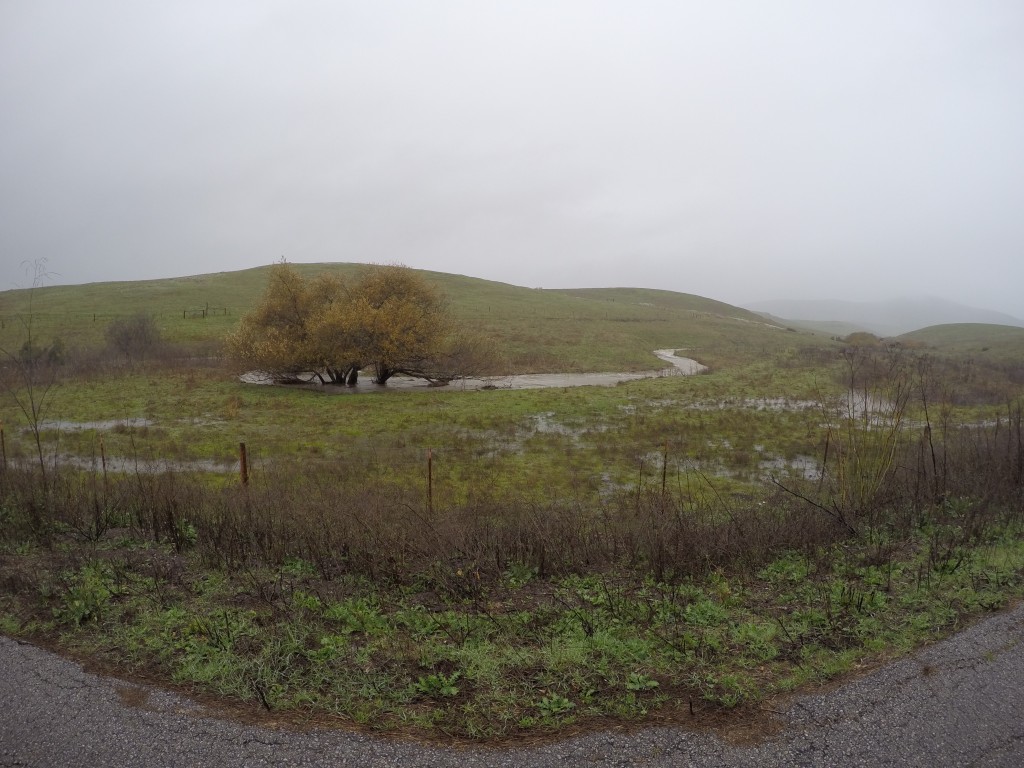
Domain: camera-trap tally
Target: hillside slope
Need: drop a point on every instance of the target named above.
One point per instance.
(978, 340)
(540, 330)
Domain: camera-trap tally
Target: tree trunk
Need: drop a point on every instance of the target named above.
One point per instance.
(383, 373)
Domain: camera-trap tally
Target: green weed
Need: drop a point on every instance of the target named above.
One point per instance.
(437, 685)
(553, 705)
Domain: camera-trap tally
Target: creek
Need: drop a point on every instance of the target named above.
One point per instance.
(678, 366)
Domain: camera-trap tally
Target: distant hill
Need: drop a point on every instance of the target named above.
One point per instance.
(607, 329)
(883, 318)
(653, 297)
(829, 328)
(980, 341)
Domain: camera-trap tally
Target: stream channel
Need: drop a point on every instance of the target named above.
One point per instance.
(678, 366)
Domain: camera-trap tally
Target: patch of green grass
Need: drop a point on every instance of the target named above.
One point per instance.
(979, 340)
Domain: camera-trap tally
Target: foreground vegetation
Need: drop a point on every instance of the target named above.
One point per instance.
(471, 644)
(487, 564)
(491, 617)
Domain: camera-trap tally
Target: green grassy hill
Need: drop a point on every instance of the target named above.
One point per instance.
(540, 330)
(1003, 343)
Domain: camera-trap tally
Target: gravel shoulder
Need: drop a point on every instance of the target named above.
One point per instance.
(956, 703)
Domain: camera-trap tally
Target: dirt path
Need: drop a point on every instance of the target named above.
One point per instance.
(958, 703)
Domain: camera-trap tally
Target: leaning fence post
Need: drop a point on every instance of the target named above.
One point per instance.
(243, 464)
(3, 447)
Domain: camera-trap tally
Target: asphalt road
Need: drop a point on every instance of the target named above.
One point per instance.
(957, 703)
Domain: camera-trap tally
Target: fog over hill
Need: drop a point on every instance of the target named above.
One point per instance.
(892, 317)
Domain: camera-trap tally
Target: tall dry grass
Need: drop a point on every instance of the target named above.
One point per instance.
(387, 533)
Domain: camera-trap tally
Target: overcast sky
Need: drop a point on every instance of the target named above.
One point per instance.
(741, 150)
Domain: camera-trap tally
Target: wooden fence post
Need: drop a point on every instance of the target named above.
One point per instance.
(3, 446)
(664, 471)
(430, 482)
(243, 464)
(639, 483)
(103, 463)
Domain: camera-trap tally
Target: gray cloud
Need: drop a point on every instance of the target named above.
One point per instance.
(740, 150)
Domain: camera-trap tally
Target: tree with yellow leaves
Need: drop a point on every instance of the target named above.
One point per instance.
(398, 321)
(279, 336)
(389, 318)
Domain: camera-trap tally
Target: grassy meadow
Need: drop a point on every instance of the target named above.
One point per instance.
(538, 330)
(979, 341)
(487, 564)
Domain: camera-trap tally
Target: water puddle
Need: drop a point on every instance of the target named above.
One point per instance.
(805, 467)
(775, 404)
(129, 465)
(80, 426)
(545, 424)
